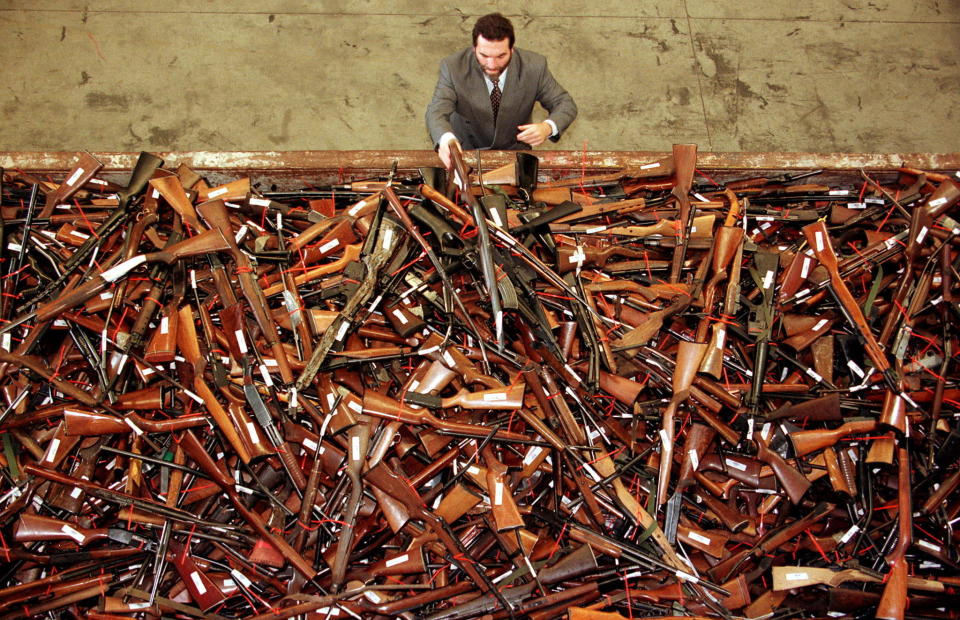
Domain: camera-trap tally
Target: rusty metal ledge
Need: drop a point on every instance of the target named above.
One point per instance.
(295, 162)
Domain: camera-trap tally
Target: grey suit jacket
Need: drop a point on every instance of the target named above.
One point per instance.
(461, 103)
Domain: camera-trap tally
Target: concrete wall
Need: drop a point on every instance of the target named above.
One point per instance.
(729, 75)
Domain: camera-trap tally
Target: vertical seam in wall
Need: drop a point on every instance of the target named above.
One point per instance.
(696, 68)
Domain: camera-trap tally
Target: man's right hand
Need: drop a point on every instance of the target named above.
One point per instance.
(447, 142)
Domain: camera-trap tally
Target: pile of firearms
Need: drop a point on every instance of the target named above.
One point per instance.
(439, 394)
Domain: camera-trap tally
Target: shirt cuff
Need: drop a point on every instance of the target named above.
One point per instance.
(446, 138)
(552, 125)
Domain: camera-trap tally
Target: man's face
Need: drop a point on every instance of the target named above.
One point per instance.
(493, 56)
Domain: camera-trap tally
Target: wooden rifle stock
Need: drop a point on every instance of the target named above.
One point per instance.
(382, 406)
(215, 213)
(805, 442)
(793, 481)
(685, 161)
(893, 603)
(689, 355)
(195, 450)
(82, 172)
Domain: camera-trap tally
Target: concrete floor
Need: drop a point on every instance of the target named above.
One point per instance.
(729, 75)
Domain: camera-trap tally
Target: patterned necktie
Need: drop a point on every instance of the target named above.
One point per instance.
(495, 99)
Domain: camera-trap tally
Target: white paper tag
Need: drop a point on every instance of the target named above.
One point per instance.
(694, 458)
(818, 237)
(198, 582)
(220, 191)
(494, 396)
(115, 273)
(241, 341)
(592, 472)
(734, 464)
(687, 576)
(355, 406)
(241, 578)
(355, 448)
(721, 337)
(849, 534)
(136, 429)
(922, 234)
(938, 201)
(75, 176)
(655, 164)
(595, 229)
(532, 455)
(813, 374)
(796, 576)
(266, 375)
(72, 533)
(926, 544)
(387, 239)
(252, 431)
(497, 493)
(703, 540)
(52, 450)
(820, 324)
(768, 280)
(801, 294)
(310, 444)
(855, 369)
(839, 192)
(398, 314)
(80, 235)
(76, 492)
(448, 359)
(329, 245)
(259, 202)
(400, 559)
(665, 438)
(343, 330)
(805, 267)
(579, 256)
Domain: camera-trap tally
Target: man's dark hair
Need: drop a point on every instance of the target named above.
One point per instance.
(493, 27)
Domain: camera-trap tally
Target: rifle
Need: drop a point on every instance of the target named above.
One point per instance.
(818, 238)
(770, 541)
(195, 450)
(377, 250)
(215, 214)
(82, 172)
(805, 442)
(484, 244)
(685, 161)
(790, 577)
(201, 244)
(146, 164)
(893, 603)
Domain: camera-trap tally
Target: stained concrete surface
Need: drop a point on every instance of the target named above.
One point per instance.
(729, 75)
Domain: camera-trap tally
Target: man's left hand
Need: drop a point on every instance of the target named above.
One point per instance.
(534, 133)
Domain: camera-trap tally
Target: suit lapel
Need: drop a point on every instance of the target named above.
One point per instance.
(506, 129)
(481, 100)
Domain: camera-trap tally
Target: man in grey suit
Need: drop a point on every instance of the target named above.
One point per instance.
(485, 95)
